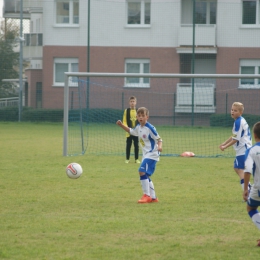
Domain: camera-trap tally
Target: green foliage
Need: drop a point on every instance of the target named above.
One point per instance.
(9, 58)
(43, 115)
(97, 115)
(46, 215)
(9, 114)
(225, 120)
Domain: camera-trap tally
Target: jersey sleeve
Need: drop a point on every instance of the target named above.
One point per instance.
(134, 131)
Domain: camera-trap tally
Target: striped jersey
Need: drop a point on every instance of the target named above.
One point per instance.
(148, 138)
(252, 165)
(241, 133)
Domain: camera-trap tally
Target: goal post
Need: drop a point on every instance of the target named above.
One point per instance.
(191, 111)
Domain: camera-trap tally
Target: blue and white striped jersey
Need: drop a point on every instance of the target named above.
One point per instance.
(241, 133)
(252, 165)
(148, 138)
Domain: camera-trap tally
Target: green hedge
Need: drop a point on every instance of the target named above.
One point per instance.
(56, 115)
(9, 114)
(97, 115)
(225, 120)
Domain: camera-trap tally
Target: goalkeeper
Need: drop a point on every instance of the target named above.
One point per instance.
(129, 119)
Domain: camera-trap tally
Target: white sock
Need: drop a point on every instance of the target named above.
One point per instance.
(145, 186)
(152, 191)
(256, 219)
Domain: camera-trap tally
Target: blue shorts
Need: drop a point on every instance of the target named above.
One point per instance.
(253, 203)
(148, 166)
(239, 162)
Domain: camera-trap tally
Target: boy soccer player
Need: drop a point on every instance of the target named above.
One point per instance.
(129, 119)
(240, 139)
(151, 144)
(252, 166)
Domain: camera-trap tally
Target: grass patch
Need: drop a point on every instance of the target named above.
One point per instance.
(46, 215)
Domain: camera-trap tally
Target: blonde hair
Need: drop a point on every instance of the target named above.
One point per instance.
(239, 105)
(143, 110)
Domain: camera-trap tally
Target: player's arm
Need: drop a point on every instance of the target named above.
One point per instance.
(124, 118)
(159, 143)
(247, 172)
(247, 176)
(229, 142)
(126, 128)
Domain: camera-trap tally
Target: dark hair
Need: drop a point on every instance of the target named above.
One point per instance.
(132, 97)
(143, 110)
(256, 129)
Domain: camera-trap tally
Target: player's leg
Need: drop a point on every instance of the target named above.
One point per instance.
(128, 147)
(152, 191)
(146, 169)
(239, 166)
(136, 145)
(253, 213)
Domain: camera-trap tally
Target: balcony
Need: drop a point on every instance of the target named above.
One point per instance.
(32, 45)
(205, 35)
(203, 99)
(11, 8)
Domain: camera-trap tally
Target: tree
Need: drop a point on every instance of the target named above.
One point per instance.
(9, 58)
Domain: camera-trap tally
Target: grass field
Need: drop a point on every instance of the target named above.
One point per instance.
(46, 215)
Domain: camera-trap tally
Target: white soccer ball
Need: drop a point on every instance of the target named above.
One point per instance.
(74, 170)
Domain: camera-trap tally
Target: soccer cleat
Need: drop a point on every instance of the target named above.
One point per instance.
(126, 161)
(258, 242)
(155, 200)
(145, 199)
(137, 161)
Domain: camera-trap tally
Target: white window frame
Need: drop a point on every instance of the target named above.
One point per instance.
(141, 83)
(250, 63)
(142, 22)
(257, 23)
(208, 3)
(70, 23)
(69, 61)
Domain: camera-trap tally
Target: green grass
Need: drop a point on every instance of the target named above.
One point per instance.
(46, 215)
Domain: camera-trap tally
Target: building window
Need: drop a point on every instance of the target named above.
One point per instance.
(67, 12)
(138, 12)
(205, 12)
(62, 65)
(137, 66)
(250, 67)
(251, 12)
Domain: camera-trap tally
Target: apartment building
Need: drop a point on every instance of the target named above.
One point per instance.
(139, 36)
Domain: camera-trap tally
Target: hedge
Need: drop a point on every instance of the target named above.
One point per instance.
(96, 115)
(225, 120)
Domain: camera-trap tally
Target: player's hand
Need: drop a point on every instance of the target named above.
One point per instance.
(119, 122)
(160, 149)
(222, 147)
(245, 195)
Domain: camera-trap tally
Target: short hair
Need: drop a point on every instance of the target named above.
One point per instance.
(132, 97)
(256, 129)
(143, 110)
(239, 105)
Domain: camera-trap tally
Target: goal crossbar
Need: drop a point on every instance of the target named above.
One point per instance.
(132, 75)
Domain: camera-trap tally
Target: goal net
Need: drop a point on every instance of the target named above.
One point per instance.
(191, 112)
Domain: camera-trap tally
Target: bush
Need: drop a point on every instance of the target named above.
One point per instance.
(225, 120)
(97, 115)
(9, 114)
(43, 115)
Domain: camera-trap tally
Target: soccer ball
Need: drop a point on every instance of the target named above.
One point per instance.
(74, 170)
